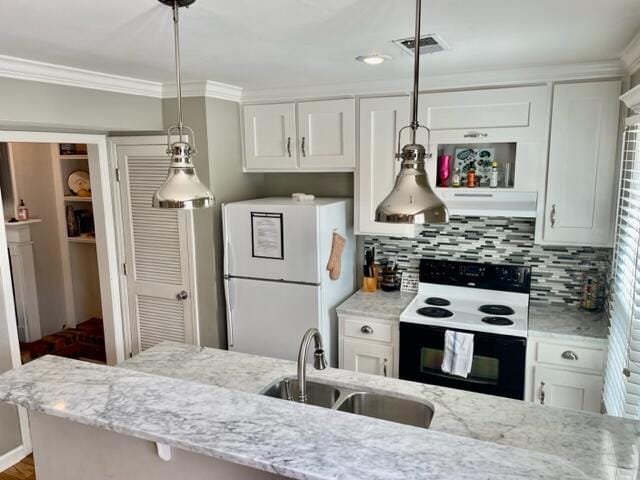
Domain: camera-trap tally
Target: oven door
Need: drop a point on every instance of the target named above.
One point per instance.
(498, 366)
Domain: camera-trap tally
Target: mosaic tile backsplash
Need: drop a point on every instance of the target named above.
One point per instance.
(557, 272)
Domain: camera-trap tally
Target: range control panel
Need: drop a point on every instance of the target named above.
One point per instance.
(506, 278)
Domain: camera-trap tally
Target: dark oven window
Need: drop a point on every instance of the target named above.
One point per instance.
(483, 369)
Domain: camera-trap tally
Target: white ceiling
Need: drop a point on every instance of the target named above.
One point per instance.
(279, 43)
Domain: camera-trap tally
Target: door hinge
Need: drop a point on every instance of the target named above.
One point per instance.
(117, 174)
(124, 269)
(130, 354)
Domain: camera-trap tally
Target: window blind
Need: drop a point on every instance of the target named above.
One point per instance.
(622, 376)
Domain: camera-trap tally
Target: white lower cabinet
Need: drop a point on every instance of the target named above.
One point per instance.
(369, 345)
(368, 357)
(568, 389)
(566, 374)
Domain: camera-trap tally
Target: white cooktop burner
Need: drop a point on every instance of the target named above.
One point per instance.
(465, 303)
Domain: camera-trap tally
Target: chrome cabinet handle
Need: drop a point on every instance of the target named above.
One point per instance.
(475, 135)
(182, 295)
(569, 355)
(304, 154)
(289, 146)
(552, 215)
(542, 394)
(366, 329)
(384, 367)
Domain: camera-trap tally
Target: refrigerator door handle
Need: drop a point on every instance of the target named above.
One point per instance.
(227, 294)
(227, 246)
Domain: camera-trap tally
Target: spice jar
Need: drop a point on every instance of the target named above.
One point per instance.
(471, 178)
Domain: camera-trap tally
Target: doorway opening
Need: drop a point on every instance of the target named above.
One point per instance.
(50, 229)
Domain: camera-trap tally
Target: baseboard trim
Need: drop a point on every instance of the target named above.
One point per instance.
(12, 457)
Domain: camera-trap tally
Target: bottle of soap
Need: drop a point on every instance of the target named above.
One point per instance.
(23, 212)
(493, 175)
(455, 180)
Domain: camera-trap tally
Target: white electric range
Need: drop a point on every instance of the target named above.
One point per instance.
(489, 301)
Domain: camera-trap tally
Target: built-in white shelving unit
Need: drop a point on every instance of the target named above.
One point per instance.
(80, 265)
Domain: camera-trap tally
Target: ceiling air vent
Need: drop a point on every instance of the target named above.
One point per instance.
(430, 43)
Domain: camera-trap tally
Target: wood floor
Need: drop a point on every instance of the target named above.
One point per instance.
(21, 471)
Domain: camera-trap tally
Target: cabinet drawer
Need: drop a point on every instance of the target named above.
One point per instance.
(570, 356)
(368, 330)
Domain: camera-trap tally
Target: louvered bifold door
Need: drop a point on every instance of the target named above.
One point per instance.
(157, 251)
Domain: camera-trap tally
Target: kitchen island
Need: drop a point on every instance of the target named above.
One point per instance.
(202, 404)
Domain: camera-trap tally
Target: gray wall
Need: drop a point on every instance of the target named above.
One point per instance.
(36, 105)
(229, 184)
(216, 125)
(33, 170)
(318, 184)
(635, 79)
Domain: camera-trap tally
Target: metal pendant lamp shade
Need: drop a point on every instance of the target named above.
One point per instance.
(182, 189)
(412, 201)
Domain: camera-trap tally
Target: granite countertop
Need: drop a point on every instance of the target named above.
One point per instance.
(601, 446)
(562, 321)
(285, 438)
(545, 320)
(378, 304)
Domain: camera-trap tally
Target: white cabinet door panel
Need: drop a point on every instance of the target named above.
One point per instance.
(269, 136)
(368, 357)
(327, 134)
(582, 164)
(380, 121)
(567, 389)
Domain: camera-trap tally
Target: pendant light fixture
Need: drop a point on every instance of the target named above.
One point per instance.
(182, 189)
(412, 200)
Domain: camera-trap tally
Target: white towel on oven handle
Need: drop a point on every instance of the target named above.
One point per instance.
(458, 353)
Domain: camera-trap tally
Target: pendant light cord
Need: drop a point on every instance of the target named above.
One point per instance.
(176, 36)
(416, 74)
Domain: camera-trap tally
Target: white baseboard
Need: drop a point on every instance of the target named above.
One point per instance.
(12, 457)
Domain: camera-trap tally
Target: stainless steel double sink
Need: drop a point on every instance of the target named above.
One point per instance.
(385, 407)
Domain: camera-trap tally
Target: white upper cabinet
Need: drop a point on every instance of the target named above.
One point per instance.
(580, 197)
(270, 137)
(380, 121)
(327, 131)
(308, 136)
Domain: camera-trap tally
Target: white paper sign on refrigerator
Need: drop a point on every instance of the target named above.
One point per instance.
(267, 235)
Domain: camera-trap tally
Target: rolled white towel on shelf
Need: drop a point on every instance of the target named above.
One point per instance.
(458, 353)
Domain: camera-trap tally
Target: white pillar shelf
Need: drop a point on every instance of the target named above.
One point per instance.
(23, 274)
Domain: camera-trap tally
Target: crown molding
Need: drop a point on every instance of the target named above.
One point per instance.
(492, 78)
(631, 55)
(632, 99)
(205, 88)
(23, 69)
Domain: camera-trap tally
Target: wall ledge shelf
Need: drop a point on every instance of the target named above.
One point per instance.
(74, 157)
(81, 239)
(75, 198)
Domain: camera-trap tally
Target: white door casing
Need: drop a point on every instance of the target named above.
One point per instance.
(157, 247)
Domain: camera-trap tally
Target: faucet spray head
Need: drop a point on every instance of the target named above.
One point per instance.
(319, 359)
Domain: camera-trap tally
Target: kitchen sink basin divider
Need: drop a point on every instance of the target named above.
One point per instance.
(356, 401)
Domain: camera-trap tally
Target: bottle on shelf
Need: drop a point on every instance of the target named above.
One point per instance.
(471, 178)
(455, 180)
(23, 212)
(493, 175)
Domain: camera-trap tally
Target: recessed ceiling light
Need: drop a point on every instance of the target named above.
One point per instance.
(373, 59)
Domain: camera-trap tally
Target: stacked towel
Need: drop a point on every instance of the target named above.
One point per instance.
(458, 353)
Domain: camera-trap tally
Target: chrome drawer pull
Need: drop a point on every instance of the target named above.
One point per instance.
(366, 329)
(569, 355)
(475, 135)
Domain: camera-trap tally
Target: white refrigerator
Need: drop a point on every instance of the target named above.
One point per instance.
(276, 284)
